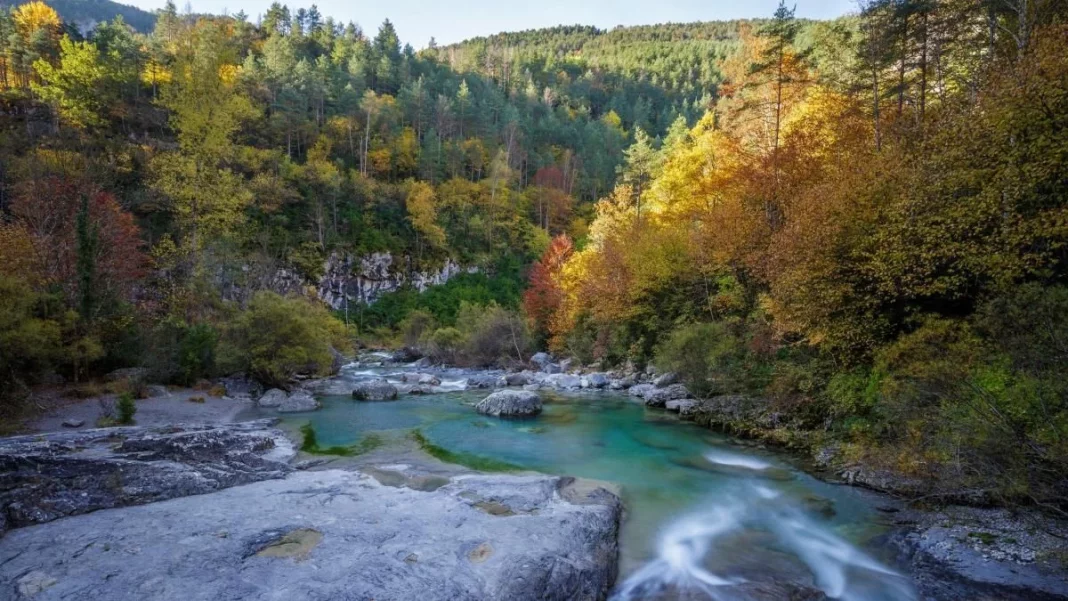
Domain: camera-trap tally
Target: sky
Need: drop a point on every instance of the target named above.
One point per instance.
(456, 20)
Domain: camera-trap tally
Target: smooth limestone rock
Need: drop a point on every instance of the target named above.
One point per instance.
(510, 403)
(50, 476)
(298, 401)
(332, 535)
(375, 390)
(272, 399)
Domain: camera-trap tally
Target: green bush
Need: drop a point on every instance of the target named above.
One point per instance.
(277, 337)
(710, 358)
(493, 335)
(30, 340)
(416, 326)
(126, 408)
(181, 353)
(445, 345)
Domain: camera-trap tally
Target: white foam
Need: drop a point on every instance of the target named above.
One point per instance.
(733, 460)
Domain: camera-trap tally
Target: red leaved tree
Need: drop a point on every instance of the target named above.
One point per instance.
(544, 295)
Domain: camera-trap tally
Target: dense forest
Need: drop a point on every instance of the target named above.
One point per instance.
(862, 223)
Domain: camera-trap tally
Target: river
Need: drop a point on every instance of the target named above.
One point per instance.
(705, 514)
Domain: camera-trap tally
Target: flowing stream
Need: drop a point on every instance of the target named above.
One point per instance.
(706, 517)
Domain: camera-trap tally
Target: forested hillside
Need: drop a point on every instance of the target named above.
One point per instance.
(876, 254)
(861, 224)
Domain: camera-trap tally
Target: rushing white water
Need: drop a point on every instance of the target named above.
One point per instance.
(687, 545)
(733, 460)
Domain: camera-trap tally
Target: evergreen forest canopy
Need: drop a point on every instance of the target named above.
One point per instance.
(862, 223)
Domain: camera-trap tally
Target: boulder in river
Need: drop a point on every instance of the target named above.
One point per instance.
(480, 381)
(273, 398)
(511, 403)
(299, 400)
(377, 389)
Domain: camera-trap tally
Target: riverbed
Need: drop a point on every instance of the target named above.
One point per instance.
(704, 514)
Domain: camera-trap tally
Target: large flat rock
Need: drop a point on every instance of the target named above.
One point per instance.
(331, 535)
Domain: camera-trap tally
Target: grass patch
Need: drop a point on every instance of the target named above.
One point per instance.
(311, 444)
(474, 462)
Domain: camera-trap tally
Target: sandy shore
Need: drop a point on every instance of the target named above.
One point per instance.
(172, 408)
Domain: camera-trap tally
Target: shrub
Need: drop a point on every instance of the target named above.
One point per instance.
(493, 335)
(445, 345)
(416, 327)
(126, 407)
(277, 337)
(709, 357)
(217, 391)
(181, 353)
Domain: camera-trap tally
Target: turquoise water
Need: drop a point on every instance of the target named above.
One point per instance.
(702, 512)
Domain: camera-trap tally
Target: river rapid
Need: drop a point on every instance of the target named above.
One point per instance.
(707, 517)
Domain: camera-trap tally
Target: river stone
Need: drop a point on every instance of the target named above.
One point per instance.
(680, 405)
(658, 397)
(510, 403)
(667, 379)
(331, 535)
(329, 387)
(597, 380)
(640, 390)
(273, 398)
(425, 379)
(564, 381)
(375, 390)
(240, 386)
(540, 359)
(70, 422)
(520, 379)
(299, 400)
(49, 476)
(482, 381)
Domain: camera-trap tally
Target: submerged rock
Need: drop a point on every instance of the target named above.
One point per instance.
(46, 477)
(510, 403)
(375, 390)
(332, 535)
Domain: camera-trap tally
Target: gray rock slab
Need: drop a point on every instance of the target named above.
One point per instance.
(47, 477)
(329, 535)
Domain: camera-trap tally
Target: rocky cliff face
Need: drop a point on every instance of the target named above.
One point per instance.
(364, 279)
